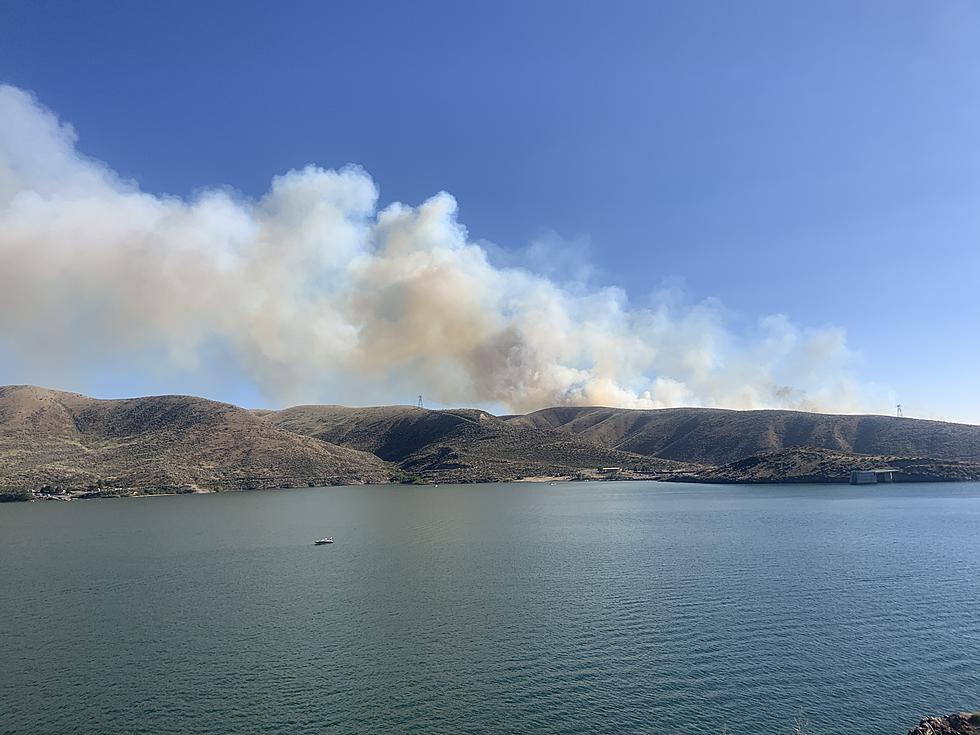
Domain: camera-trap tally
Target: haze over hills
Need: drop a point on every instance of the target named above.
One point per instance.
(53, 439)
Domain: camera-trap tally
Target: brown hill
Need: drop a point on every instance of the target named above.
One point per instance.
(718, 436)
(805, 464)
(461, 444)
(66, 440)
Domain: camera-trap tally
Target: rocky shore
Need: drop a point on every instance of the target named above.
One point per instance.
(958, 723)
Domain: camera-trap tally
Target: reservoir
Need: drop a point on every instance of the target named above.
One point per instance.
(602, 607)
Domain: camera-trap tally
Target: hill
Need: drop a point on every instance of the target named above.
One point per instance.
(53, 439)
(162, 443)
(463, 445)
(717, 436)
(806, 464)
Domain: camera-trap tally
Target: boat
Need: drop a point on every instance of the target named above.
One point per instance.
(321, 542)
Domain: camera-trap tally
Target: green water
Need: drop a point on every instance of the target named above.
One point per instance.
(568, 608)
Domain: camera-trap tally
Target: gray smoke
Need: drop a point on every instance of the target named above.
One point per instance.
(317, 294)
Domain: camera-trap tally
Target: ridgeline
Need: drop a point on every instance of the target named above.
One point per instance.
(59, 444)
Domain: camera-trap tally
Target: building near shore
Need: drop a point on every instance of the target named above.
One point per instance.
(871, 477)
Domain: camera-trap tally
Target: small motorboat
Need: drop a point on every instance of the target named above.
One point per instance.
(321, 542)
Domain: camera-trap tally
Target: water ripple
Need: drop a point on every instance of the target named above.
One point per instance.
(599, 608)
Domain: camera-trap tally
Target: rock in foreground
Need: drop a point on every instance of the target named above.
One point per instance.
(959, 723)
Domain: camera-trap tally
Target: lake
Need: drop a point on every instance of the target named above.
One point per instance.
(516, 608)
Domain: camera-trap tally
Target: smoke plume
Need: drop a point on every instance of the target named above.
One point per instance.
(317, 294)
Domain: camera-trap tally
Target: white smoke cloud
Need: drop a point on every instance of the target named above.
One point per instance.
(319, 295)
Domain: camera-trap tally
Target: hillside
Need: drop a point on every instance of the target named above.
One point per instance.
(53, 439)
(705, 445)
(717, 436)
(804, 464)
(462, 444)
(162, 443)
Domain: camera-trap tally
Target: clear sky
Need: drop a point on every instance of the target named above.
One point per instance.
(818, 160)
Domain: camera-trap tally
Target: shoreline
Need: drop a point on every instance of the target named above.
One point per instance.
(71, 496)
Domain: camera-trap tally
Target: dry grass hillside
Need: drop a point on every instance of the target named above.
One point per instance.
(717, 437)
(460, 444)
(66, 440)
(806, 464)
(53, 439)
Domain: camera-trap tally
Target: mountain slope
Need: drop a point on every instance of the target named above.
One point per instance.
(717, 436)
(806, 464)
(460, 444)
(50, 437)
(177, 443)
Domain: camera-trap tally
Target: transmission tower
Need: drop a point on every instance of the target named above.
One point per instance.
(899, 411)
(420, 402)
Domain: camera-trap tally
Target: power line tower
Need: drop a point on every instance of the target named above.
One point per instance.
(899, 411)
(420, 402)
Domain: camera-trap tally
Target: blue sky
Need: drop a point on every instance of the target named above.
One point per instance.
(816, 160)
